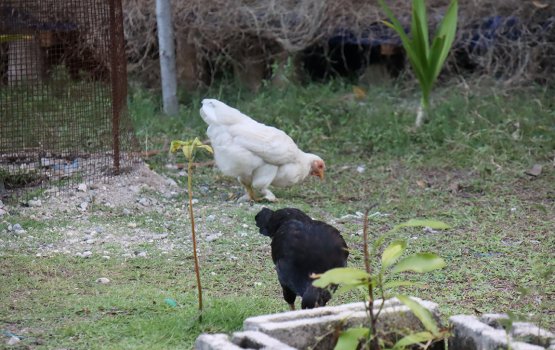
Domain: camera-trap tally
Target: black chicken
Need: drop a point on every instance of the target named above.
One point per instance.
(300, 247)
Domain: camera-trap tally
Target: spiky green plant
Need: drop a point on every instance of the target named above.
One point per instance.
(189, 148)
(426, 60)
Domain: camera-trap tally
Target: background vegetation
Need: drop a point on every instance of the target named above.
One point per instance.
(466, 167)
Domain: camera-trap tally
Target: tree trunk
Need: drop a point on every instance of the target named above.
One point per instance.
(167, 56)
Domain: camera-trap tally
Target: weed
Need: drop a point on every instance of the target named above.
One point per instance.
(189, 149)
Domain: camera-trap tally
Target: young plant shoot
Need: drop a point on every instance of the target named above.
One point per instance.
(426, 60)
(189, 148)
(380, 284)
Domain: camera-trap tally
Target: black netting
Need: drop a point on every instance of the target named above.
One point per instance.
(63, 85)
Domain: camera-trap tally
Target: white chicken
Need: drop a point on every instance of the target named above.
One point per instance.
(256, 154)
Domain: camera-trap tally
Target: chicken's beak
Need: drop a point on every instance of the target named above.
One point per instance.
(319, 173)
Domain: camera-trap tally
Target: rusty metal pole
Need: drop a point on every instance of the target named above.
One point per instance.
(118, 75)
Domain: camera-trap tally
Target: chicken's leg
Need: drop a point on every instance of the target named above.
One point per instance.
(289, 296)
(250, 195)
(268, 195)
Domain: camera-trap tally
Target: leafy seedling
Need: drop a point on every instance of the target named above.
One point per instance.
(189, 148)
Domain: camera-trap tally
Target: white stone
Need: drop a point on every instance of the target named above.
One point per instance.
(13, 341)
(34, 203)
(83, 206)
(82, 187)
(103, 280)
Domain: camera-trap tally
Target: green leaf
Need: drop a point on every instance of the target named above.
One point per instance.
(393, 252)
(189, 147)
(423, 314)
(447, 30)
(341, 275)
(419, 30)
(421, 262)
(433, 224)
(349, 338)
(414, 338)
(349, 287)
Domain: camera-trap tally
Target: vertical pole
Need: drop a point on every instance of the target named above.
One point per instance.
(118, 75)
(167, 56)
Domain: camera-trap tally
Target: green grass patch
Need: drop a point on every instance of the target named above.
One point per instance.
(465, 167)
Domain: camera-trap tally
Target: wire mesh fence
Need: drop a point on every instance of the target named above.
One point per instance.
(63, 86)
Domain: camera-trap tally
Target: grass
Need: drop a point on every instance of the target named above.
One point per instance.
(465, 167)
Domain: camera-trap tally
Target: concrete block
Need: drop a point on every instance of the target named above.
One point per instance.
(530, 333)
(258, 340)
(215, 342)
(521, 331)
(469, 333)
(315, 328)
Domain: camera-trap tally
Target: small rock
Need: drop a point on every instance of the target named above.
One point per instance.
(213, 236)
(85, 254)
(194, 201)
(141, 254)
(98, 229)
(83, 206)
(126, 211)
(171, 182)
(211, 217)
(535, 171)
(13, 341)
(2, 212)
(106, 257)
(160, 236)
(35, 203)
(132, 225)
(361, 169)
(145, 202)
(90, 241)
(103, 280)
(1, 204)
(82, 187)
(16, 228)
